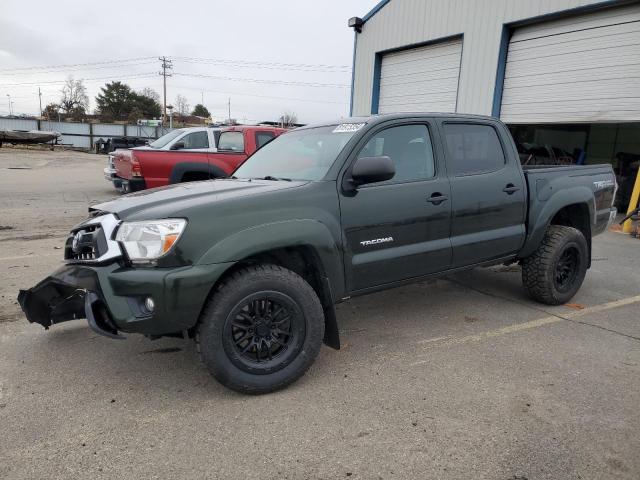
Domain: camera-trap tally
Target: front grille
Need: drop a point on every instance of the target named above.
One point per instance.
(92, 240)
(84, 244)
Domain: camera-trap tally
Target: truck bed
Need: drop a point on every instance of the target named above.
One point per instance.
(592, 185)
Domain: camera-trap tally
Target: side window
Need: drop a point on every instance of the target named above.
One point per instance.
(262, 138)
(231, 141)
(195, 140)
(472, 149)
(409, 146)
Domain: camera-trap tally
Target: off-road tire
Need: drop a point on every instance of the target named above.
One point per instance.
(539, 270)
(213, 341)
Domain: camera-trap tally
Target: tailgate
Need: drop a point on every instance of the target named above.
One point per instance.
(122, 163)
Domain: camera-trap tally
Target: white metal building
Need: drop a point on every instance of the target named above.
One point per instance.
(564, 74)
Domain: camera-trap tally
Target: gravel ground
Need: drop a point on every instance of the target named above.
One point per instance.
(457, 378)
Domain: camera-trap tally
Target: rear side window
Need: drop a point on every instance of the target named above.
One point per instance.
(263, 138)
(472, 149)
(231, 141)
(195, 140)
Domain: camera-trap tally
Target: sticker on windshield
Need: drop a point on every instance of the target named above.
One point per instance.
(348, 127)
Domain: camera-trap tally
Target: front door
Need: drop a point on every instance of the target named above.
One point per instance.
(398, 229)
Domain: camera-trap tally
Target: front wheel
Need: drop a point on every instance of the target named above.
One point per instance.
(261, 330)
(555, 271)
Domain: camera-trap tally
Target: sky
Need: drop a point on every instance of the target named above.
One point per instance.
(267, 57)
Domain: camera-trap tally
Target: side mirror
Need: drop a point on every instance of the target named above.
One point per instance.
(177, 146)
(372, 170)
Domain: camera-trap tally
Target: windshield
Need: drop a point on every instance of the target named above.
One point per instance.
(297, 155)
(163, 140)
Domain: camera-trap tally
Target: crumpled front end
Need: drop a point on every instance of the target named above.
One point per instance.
(70, 293)
(98, 282)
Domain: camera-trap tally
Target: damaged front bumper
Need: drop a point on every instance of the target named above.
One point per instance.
(68, 294)
(112, 297)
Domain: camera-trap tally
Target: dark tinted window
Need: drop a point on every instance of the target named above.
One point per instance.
(409, 146)
(231, 141)
(472, 149)
(195, 140)
(263, 137)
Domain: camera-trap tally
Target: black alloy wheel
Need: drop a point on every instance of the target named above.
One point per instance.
(264, 332)
(567, 268)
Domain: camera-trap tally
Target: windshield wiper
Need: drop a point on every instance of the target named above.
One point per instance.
(271, 177)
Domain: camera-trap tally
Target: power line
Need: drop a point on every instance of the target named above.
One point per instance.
(273, 82)
(250, 62)
(79, 69)
(76, 64)
(216, 61)
(266, 65)
(51, 82)
(261, 96)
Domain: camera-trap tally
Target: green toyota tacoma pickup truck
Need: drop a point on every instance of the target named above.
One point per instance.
(251, 266)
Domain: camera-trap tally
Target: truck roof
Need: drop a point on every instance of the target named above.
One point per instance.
(242, 128)
(377, 118)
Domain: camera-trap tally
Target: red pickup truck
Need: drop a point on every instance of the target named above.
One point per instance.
(186, 155)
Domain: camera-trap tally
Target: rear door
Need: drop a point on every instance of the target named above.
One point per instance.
(231, 152)
(487, 192)
(262, 137)
(398, 229)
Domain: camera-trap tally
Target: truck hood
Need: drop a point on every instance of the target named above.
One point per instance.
(163, 202)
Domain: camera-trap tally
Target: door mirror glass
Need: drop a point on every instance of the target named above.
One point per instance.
(177, 146)
(372, 170)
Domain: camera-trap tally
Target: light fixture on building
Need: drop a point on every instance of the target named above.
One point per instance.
(356, 23)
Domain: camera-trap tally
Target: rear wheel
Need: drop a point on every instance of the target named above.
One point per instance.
(261, 330)
(555, 271)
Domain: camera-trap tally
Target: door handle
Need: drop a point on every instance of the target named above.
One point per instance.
(437, 198)
(510, 189)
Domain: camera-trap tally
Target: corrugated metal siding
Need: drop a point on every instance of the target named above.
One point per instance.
(586, 69)
(421, 79)
(78, 134)
(18, 124)
(405, 22)
(108, 130)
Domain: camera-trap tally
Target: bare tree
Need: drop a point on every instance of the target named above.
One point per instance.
(288, 119)
(181, 105)
(150, 93)
(74, 100)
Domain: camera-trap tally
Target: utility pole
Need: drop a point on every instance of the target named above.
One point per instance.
(40, 100)
(166, 65)
(229, 110)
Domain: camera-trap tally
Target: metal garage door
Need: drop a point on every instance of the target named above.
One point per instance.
(580, 69)
(423, 79)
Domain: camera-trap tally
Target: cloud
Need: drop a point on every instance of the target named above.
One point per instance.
(43, 33)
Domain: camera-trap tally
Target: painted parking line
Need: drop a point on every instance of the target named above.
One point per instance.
(525, 326)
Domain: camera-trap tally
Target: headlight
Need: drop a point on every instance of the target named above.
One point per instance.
(146, 241)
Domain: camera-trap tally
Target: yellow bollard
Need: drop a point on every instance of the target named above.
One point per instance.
(633, 204)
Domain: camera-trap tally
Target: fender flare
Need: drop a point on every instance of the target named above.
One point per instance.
(291, 233)
(181, 168)
(540, 219)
